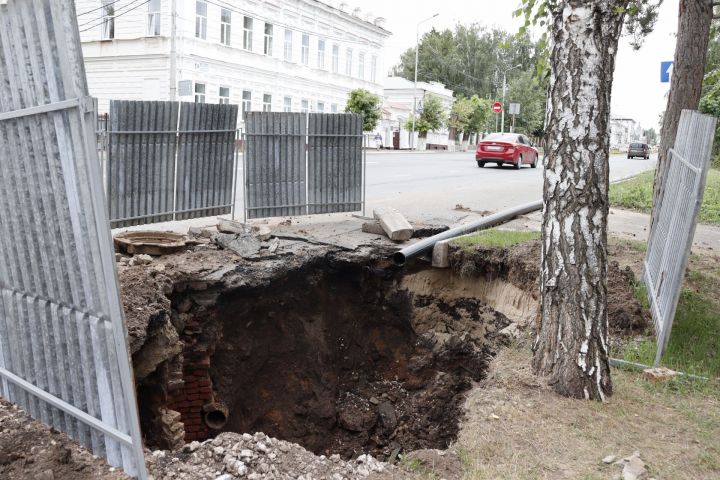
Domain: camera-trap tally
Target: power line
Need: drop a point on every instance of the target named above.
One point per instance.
(105, 20)
(98, 8)
(116, 13)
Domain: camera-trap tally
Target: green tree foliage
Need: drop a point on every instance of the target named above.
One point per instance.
(529, 92)
(365, 103)
(710, 100)
(433, 116)
(469, 59)
(470, 115)
(651, 136)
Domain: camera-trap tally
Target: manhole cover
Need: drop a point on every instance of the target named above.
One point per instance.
(150, 242)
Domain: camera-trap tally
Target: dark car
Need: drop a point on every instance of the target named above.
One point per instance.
(639, 150)
(501, 148)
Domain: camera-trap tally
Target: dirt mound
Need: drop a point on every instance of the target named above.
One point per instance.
(520, 265)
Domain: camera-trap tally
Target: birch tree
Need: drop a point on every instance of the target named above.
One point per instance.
(571, 347)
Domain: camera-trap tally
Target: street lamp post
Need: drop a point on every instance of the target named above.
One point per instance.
(417, 51)
(502, 115)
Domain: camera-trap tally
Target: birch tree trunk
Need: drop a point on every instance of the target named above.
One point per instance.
(571, 346)
(694, 21)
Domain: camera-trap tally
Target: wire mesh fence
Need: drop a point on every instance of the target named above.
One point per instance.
(63, 343)
(672, 235)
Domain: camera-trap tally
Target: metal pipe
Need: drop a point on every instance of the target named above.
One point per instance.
(617, 363)
(416, 249)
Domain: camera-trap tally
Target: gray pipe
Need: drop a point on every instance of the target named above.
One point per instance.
(418, 248)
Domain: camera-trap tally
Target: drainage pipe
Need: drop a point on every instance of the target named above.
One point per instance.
(427, 244)
(216, 415)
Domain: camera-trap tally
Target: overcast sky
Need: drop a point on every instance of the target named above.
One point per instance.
(637, 91)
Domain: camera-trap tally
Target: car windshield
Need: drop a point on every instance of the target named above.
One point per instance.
(636, 145)
(501, 137)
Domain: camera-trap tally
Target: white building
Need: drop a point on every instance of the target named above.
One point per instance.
(270, 55)
(398, 106)
(623, 131)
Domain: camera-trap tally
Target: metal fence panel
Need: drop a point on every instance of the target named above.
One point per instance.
(140, 176)
(275, 165)
(63, 344)
(335, 162)
(206, 160)
(672, 235)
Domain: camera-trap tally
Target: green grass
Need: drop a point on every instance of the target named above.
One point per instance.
(694, 345)
(495, 238)
(636, 194)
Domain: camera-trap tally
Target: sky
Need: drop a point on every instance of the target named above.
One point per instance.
(637, 91)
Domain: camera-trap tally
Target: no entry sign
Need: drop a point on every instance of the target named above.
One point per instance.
(497, 107)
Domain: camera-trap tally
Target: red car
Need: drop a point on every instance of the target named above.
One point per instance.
(501, 148)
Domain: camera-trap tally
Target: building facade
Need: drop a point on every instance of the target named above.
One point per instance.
(624, 131)
(264, 55)
(399, 95)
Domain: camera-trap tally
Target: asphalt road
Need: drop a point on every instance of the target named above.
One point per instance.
(448, 186)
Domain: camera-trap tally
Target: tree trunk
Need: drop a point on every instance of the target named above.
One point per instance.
(571, 346)
(694, 22)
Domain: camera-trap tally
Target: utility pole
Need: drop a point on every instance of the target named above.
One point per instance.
(173, 50)
(504, 88)
(417, 52)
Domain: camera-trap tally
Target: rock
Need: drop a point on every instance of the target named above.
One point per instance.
(231, 226)
(634, 468)
(274, 244)
(262, 232)
(141, 259)
(118, 257)
(225, 476)
(512, 331)
(609, 459)
(192, 446)
(245, 245)
(659, 374)
(387, 415)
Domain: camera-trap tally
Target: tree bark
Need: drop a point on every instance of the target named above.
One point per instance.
(571, 346)
(694, 21)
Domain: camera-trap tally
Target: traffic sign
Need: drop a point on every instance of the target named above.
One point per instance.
(514, 109)
(497, 107)
(666, 69)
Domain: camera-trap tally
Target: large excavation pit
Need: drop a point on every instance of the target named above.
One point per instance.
(339, 356)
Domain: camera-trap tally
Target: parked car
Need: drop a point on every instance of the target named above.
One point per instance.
(501, 148)
(639, 150)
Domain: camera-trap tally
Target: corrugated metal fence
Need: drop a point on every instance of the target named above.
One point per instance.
(672, 236)
(299, 164)
(63, 344)
(169, 160)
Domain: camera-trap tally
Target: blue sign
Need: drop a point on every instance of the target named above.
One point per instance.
(666, 69)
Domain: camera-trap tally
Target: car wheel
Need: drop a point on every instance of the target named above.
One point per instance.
(499, 164)
(534, 163)
(518, 165)
(481, 164)
(629, 157)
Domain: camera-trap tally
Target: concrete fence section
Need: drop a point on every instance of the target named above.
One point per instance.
(672, 235)
(63, 346)
(168, 160)
(300, 164)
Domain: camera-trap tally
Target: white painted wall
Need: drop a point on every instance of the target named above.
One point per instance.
(136, 66)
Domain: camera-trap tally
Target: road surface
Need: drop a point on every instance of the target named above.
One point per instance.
(448, 186)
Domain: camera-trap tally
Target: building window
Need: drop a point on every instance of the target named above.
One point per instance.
(348, 61)
(267, 102)
(108, 19)
(247, 33)
(304, 106)
(321, 107)
(361, 66)
(335, 59)
(246, 102)
(333, 108)
(373, 69)
(288, 45)
(199, 93)
(200, 20)
(267, 48)
(321, 55)
(305, 52)
(225, 23)
(153, 27)
(224, 95)
(287, 104)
